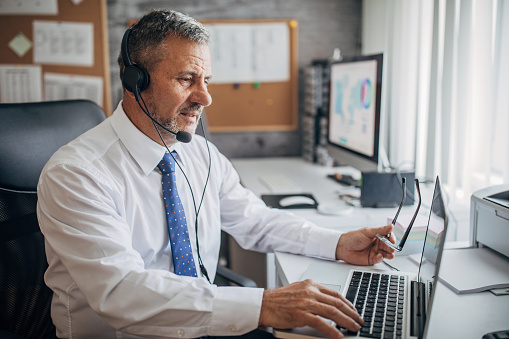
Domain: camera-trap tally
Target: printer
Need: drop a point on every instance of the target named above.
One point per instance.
(489, 218)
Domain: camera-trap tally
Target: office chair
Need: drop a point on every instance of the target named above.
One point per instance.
(29, 135)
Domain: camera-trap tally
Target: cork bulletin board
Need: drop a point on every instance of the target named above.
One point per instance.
(258, 105)
(88, 11)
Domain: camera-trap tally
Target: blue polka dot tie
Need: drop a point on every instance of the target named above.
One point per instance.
(183, 263)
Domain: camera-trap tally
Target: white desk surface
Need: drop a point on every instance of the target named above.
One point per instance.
(313, 179)
(453, 316)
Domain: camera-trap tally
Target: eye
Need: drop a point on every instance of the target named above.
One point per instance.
(185, 81)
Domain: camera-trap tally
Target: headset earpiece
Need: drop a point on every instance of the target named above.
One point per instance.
(135, 78)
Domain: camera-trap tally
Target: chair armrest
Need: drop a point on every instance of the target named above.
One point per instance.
(234, 277)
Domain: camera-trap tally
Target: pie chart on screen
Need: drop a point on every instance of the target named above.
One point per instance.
(366, 93)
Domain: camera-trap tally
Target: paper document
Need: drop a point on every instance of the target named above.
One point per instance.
(474, 270)
(63, 43)
(243, 53)
(20, 83)
(25, 7)
(67, 87)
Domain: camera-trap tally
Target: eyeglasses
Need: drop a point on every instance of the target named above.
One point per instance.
(385, 239)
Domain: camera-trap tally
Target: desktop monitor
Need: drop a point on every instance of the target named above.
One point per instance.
(354, 112)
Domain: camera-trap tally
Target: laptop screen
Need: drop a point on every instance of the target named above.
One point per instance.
(433, 246)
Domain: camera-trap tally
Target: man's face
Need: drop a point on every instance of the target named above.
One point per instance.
(178, 90)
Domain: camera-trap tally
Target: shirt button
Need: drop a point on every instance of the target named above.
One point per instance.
(232, 328)
(180, 333)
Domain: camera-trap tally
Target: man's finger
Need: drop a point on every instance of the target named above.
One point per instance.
(384, 247)
(339, 302)
(334, 313)
(387, 229)
(382, 230)
(323, 326)
(344, 306)
(392, 238)
(377, 258)
(335, 294)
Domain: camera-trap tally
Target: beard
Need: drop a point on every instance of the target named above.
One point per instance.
(172, 124)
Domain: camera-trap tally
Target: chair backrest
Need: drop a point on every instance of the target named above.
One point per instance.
(29, 135)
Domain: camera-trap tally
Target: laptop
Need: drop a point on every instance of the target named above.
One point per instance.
(393, 304)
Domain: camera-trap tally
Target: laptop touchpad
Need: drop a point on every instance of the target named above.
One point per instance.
(329, 274)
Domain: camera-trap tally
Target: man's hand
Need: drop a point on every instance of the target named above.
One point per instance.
(300, 304)
(362, 247)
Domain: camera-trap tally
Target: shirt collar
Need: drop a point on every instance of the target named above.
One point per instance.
(145, 151)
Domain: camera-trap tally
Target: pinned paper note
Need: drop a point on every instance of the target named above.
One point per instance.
(68, 86)
(247, 53)
(20, 44)
(63, 43)
(20, 83)
(25, 7)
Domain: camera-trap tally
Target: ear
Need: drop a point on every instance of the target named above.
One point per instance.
(129, 94)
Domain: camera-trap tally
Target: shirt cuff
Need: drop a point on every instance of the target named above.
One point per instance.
(236, 310)
(322, 242)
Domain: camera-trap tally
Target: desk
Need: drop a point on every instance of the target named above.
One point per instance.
(452, 316)
(313, 179)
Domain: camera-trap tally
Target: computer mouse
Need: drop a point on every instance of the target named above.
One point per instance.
(296, 200)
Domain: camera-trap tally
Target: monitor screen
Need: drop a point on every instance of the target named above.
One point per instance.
(354, 111)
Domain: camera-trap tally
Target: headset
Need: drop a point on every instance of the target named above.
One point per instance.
(136, 79)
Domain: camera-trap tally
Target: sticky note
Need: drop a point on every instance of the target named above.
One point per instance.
(20, 44)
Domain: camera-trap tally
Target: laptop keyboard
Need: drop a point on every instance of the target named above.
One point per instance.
(379, 299)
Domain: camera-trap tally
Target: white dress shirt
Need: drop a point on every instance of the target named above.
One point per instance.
(101, 210)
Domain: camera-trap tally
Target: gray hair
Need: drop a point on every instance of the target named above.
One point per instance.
(146, 42)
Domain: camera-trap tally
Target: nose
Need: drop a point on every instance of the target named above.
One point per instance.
(201, 95)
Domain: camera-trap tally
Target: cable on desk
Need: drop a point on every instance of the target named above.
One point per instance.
(392, 267)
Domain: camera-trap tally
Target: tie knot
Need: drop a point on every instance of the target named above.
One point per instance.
(167, 164)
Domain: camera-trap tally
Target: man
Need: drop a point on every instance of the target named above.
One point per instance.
(101, 210)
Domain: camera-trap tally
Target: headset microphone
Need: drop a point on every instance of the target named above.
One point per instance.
(182, 136)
